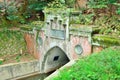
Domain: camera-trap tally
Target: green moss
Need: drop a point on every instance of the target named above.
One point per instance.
(106, 40)
(35, 24)
(56, 11)
(26, 27)
(96, 30)
(81, 28)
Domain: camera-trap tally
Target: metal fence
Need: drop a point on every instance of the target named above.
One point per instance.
(12, 42)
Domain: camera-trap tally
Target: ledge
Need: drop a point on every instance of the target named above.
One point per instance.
(106, 40)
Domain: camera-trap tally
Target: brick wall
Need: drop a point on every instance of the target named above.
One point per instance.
(31, 45)
(83, 41)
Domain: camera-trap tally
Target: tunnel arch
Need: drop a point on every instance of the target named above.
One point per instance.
(54, 58)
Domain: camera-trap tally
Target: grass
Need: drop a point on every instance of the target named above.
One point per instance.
(11, 42)
(102, 66)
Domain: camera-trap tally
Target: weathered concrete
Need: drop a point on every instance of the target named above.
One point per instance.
(57, 39)
(54, 58)
(12, 71)
(37, 76)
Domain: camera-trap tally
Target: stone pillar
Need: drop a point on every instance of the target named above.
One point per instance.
(60, 24)
(67, 29)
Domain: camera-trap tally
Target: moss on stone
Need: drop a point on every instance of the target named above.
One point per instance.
(26, 27)
(106, 40)
(35, 24)
(80, 28)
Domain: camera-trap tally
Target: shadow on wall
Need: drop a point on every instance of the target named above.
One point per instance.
(54, 59)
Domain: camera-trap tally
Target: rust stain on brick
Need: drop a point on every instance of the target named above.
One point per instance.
(31, 45)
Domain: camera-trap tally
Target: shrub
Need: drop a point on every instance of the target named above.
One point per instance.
(102, 66)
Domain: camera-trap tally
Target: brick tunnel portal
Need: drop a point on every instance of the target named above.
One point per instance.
(54, 59)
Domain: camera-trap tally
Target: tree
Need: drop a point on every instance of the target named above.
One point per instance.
(109, 5)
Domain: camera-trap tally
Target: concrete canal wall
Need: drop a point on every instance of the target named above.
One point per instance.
(12, 71)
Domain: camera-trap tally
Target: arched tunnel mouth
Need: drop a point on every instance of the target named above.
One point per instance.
(54, 59)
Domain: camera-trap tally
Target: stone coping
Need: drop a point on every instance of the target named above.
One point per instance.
(81, 28)
(106, 40)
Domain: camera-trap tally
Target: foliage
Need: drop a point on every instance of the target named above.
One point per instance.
(12, 15)
(18, 58)
(9, 14)
(118, 11)
(1, 62)
(102, 66)
(61, 3)
(11, 42)
(57, 4)
(35, 24)
(106, 15)
(36, 5)
(102, 4)
(108, 24)
(70, 3)
(81, 19)
(97, 4)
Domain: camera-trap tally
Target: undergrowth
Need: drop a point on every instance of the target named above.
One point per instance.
(11, 42)
(102, 66)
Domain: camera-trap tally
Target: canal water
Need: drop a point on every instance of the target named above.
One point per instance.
(36, 77)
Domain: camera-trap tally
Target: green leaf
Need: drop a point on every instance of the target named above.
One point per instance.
(1, 62)
(12, 17)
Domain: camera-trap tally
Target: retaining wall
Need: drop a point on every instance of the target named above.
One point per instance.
(12, 71)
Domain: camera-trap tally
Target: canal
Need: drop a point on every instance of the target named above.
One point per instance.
(36, 76)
